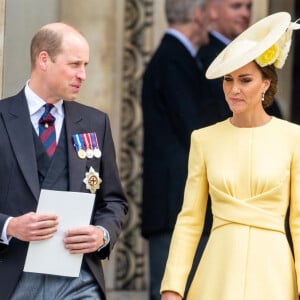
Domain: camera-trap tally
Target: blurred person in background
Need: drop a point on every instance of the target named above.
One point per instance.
(174, 103)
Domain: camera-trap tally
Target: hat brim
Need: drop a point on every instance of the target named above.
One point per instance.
(249, 45)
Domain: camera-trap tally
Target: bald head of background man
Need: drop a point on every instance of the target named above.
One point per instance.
(229, 17)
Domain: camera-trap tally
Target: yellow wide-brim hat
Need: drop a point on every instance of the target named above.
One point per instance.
(267, 42)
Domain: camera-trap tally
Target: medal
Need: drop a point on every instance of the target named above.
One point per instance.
(79, 146)
(88, 145)
(81, 154)
(97, 151)
(92, 180)
(89, 153)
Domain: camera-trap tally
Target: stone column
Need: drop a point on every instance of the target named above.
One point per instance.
(119, 32)
(259, 9)
(21, 23)
(99, 21)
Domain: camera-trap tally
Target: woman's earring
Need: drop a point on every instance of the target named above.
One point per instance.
(263, 96)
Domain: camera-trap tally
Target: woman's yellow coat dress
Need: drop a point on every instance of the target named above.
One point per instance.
(253, 176)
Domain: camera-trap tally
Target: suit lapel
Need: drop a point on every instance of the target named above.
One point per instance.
(19, 129)
(74, 125)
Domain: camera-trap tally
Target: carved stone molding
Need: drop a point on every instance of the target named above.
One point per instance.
(131, 252)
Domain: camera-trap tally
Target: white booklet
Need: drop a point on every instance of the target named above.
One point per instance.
(49, 256)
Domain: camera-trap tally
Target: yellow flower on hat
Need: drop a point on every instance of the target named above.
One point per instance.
(269, 56)
(283, 47)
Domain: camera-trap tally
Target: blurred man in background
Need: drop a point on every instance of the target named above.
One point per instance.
(174, 103)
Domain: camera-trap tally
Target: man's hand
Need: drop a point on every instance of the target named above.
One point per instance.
(32, 227)
(84, 239)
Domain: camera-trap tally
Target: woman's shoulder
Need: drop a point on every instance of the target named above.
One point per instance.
(277, 126)
(215, 128)
(286, 125)
(211, 134)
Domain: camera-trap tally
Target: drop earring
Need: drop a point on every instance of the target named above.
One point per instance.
(263, 96)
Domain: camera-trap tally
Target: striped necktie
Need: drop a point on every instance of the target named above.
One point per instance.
(47, 130)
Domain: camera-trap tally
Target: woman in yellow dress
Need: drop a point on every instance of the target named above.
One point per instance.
(250, 166)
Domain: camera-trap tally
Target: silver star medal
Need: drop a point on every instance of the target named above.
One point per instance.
(92, 180)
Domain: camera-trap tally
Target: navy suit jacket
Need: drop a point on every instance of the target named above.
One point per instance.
(206, 55)
(174, 102)
(20, 189)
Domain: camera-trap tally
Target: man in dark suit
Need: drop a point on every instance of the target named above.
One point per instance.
(174, 103)
(80, 158)
(227, 19)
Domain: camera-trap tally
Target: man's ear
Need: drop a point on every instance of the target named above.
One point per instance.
(212, 11)
(43, 60)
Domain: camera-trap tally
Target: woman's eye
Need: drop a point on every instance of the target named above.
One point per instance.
(245, 80)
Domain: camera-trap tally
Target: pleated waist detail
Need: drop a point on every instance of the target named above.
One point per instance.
(227, 209)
